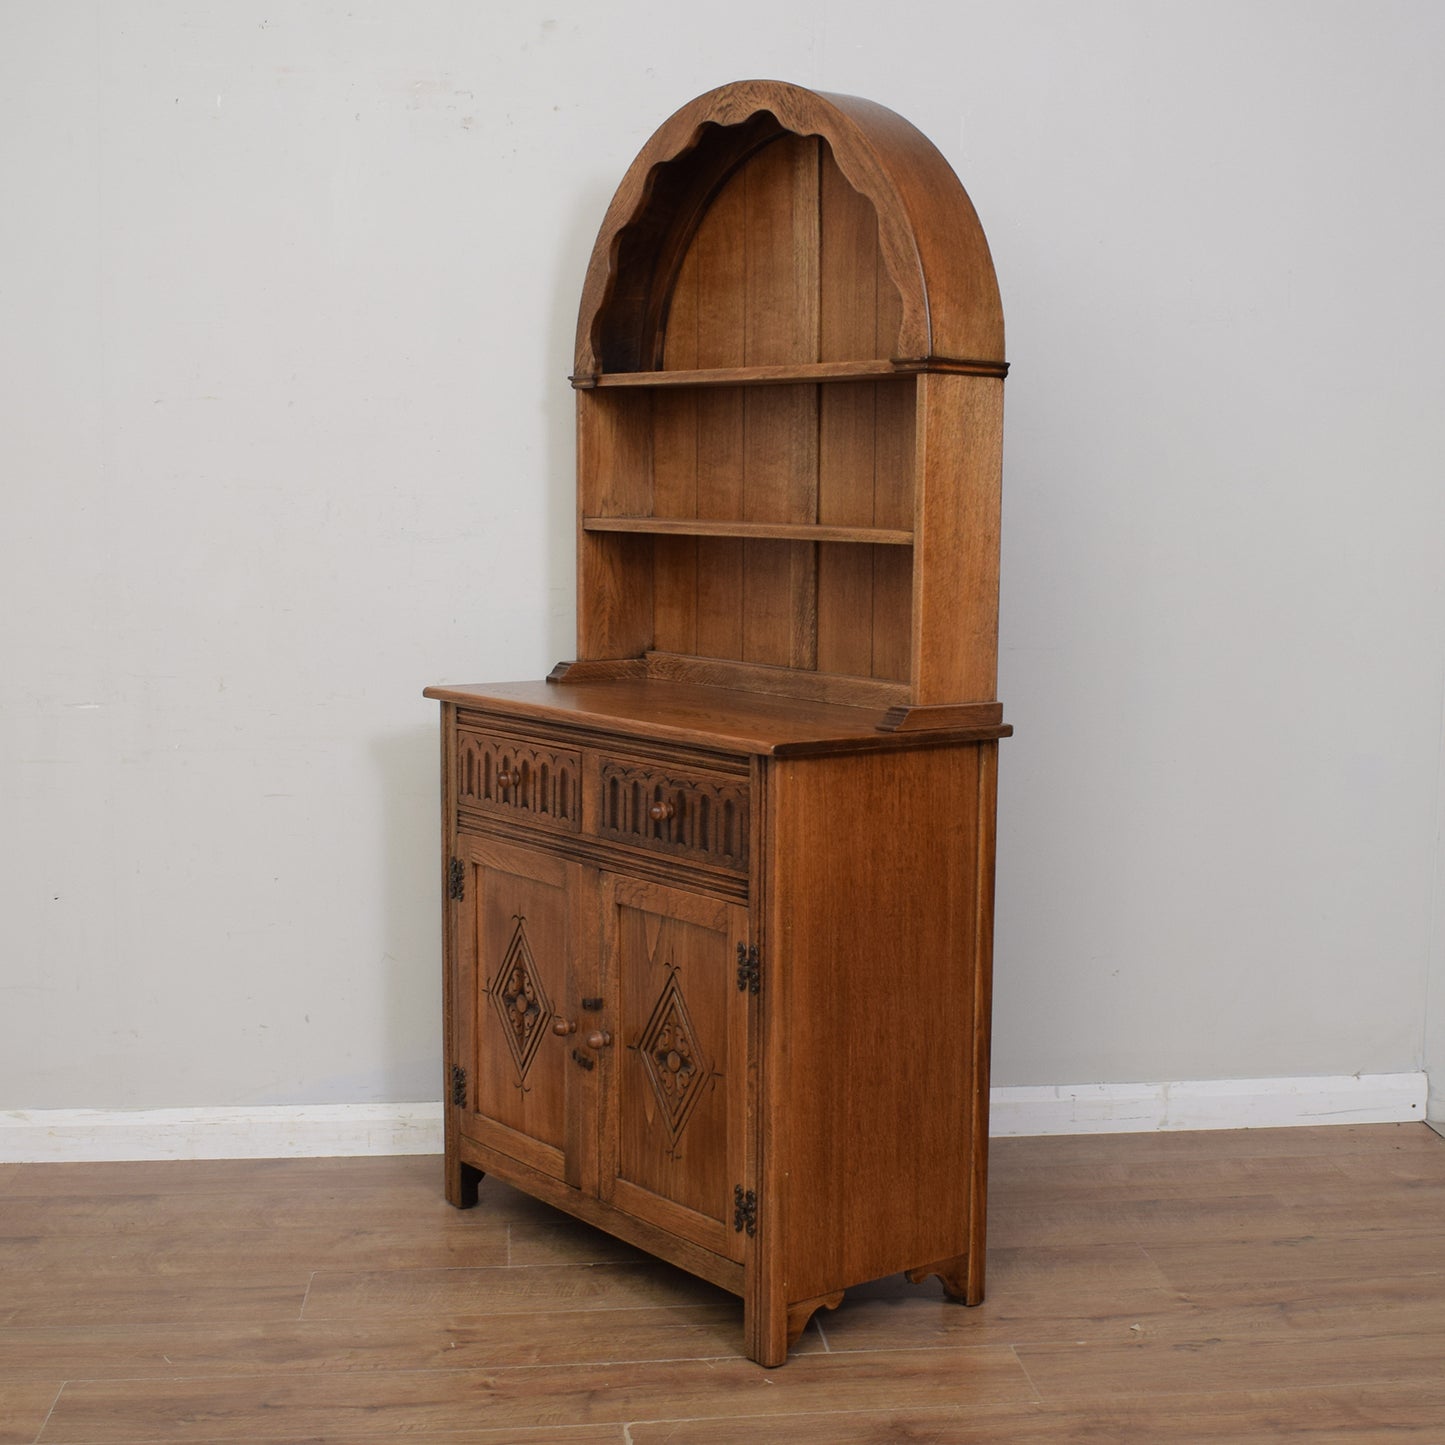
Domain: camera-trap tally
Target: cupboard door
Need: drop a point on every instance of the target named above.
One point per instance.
(517, 936)
(673, 1145)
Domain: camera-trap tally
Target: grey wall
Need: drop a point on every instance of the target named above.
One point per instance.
(287, 294)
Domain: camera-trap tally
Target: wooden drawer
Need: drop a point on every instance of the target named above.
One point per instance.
(527, 781)
(698, 816)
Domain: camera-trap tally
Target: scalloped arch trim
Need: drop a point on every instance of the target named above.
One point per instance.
(930, 241)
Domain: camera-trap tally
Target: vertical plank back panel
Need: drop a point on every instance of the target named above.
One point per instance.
(721, 259)
(865, 450)
(848, 319)
(675, 594)
(720, 597)
(892, 612)
(780, 433)
(675, 443)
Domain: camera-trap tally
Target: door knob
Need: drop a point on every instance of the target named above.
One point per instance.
(598, 1039)
(563, 1027)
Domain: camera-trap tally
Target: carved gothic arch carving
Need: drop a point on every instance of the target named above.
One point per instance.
(929, 237)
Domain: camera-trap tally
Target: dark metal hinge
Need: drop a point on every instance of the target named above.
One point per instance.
(750, 969)
(457, 879)
(745, 1211)
(459, 1086)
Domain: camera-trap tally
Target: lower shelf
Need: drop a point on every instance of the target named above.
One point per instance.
(775, 531)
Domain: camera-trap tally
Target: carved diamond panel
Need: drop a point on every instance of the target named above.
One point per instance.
(521, 1001)
(676, 1066)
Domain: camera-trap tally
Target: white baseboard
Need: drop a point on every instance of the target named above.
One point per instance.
(305, 1131)
(315, 1131)
(1208, 1104)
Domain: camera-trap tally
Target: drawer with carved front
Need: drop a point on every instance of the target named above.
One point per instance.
(690, 814)
(527, 781)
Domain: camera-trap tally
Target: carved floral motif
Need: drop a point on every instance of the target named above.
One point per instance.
(674, 1061)
(520, 1001)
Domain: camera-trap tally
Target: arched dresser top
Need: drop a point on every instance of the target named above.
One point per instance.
(929, 238)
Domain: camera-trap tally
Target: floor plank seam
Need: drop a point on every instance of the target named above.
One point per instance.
(822, 1335)
(1033, 1385)
(305, 1296)
(950, 1348)
(272, 1373)
(39, 1434)
(812, 1411)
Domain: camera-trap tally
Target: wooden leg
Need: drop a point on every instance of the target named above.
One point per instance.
(765, 1330)
(461, 1183)
(774, 1331)
(959, 1281)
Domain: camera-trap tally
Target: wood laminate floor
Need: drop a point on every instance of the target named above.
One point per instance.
(1235, 1287)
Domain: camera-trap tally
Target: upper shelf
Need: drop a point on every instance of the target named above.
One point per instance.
(794, 372)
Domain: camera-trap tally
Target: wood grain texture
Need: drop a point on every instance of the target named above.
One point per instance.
(25, 1407)
(748, 269)
(386, 1404)
(780, 434)
(847, 422)
(675, 480)
(1213, 1337)
(879, 989)
(688, 713)
(720, 341)
(877, 368)
(786, 556)
(675, 1127)
(955, 575)
(929, 238)
(517, 938)
(845, 691)
(614, 477)
(811, 532)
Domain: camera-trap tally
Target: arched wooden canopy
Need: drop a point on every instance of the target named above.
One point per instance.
(929, 241)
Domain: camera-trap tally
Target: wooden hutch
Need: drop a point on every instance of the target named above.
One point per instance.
(719, 892)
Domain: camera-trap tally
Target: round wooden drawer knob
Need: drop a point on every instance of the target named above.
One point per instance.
(598, 1039)
(507, 779)
(661, 812)
(563, 1027)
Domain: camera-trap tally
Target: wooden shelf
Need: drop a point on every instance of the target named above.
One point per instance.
(801, 372)
(766, 531)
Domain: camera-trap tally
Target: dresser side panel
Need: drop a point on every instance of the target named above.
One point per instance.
(876, 979)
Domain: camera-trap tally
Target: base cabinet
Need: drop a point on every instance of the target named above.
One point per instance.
(761, 1057)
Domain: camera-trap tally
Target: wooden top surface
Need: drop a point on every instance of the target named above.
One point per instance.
(701, 716)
